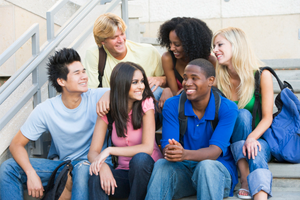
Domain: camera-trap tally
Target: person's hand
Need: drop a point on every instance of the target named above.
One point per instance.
(34, 185)
(99, 160)
(166, 93)
(174, 151)
(250, 146)
(103, 104)
(154, 81)
(107, 180)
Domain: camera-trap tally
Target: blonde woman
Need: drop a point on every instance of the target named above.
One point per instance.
(235, 71)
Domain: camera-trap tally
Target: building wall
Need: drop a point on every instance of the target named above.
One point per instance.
(271, 25)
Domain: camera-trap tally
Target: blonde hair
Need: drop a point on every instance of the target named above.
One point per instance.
(244, 62)
(106, 26)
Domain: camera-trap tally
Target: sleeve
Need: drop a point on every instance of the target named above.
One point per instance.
(35, 124)
(148, 104)
(222, 134)
(91, 65)
(170, 128)
(104, 118)
(158, 67)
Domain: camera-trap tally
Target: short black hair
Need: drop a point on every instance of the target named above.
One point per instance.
(58, 66)
(193, 33)
(205, 66)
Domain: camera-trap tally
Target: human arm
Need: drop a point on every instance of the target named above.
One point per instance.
(107, 180)
(90, 63)
(146, 145)
(174, 152)
(19, 153)
(102, 107)
(267, 95)
(156, 81)
(167, 64)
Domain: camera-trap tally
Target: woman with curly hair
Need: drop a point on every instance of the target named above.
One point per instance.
(186, 39)
(235, 71)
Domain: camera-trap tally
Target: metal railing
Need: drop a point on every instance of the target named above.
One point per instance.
(36, 64)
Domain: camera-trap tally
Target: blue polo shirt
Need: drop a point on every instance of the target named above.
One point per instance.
(199, 133)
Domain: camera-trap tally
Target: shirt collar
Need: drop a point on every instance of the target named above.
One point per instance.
(209, 111)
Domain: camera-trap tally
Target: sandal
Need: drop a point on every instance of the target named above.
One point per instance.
(244, 196)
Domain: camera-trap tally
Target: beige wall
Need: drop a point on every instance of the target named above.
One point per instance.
(272, 26)
(14, 21)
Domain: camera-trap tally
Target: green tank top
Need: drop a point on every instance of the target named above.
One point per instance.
(250, 106)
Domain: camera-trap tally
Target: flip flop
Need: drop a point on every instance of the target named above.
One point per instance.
(243, 196)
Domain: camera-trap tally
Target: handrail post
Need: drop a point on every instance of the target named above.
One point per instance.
(124, 7)
(35, 74)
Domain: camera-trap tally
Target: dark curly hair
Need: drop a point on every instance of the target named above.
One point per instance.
(193, 33)
(57, 66)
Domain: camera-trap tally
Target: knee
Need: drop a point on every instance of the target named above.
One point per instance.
(243, 126)
(141, 161)
(204, 166)
(7, 167)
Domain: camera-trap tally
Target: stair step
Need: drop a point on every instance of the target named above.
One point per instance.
(285, 170)
(292, 195)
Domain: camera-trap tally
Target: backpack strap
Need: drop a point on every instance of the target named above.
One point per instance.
(217, 93)
(181, 116)
(68, 167)
(183, 119)
(257, 104)
(101, 64)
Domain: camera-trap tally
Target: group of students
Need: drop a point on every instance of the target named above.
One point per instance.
(202, 162)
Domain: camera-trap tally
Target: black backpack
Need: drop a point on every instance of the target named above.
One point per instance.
(54, 190)
(183, 119)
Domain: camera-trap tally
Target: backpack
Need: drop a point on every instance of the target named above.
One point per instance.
(183, 119)
(283, 136)
(54, 190)
(101, 64)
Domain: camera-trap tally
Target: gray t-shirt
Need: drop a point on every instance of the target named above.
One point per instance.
(71, 129)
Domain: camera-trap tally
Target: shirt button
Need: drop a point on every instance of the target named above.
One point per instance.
(197, 124)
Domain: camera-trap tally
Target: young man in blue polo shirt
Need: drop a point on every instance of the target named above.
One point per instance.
(204, 164)
(70, 118)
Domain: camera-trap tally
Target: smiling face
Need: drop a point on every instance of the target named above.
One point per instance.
(222, 50)
(116, 44)
(176, 45)
(195, 83)
(137, 87)
(76, 79)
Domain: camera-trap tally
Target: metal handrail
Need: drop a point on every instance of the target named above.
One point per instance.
(76, 43)
(33, 33)
(32, 65)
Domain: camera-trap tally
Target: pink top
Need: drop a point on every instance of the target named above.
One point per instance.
(134, 137)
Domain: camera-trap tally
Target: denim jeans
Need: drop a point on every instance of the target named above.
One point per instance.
(209, 179)
(260, 177)
(13, 178)
(131, 184)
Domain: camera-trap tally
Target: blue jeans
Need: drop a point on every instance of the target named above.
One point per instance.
(260, 177)
(13, 178)
(132, 183)
(209, 179)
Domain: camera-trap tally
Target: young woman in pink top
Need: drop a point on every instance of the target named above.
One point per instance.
(133, 136)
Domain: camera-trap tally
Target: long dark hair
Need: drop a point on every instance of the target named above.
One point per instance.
(120, 83)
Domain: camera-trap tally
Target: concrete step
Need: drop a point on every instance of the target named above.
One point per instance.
(276, 196)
